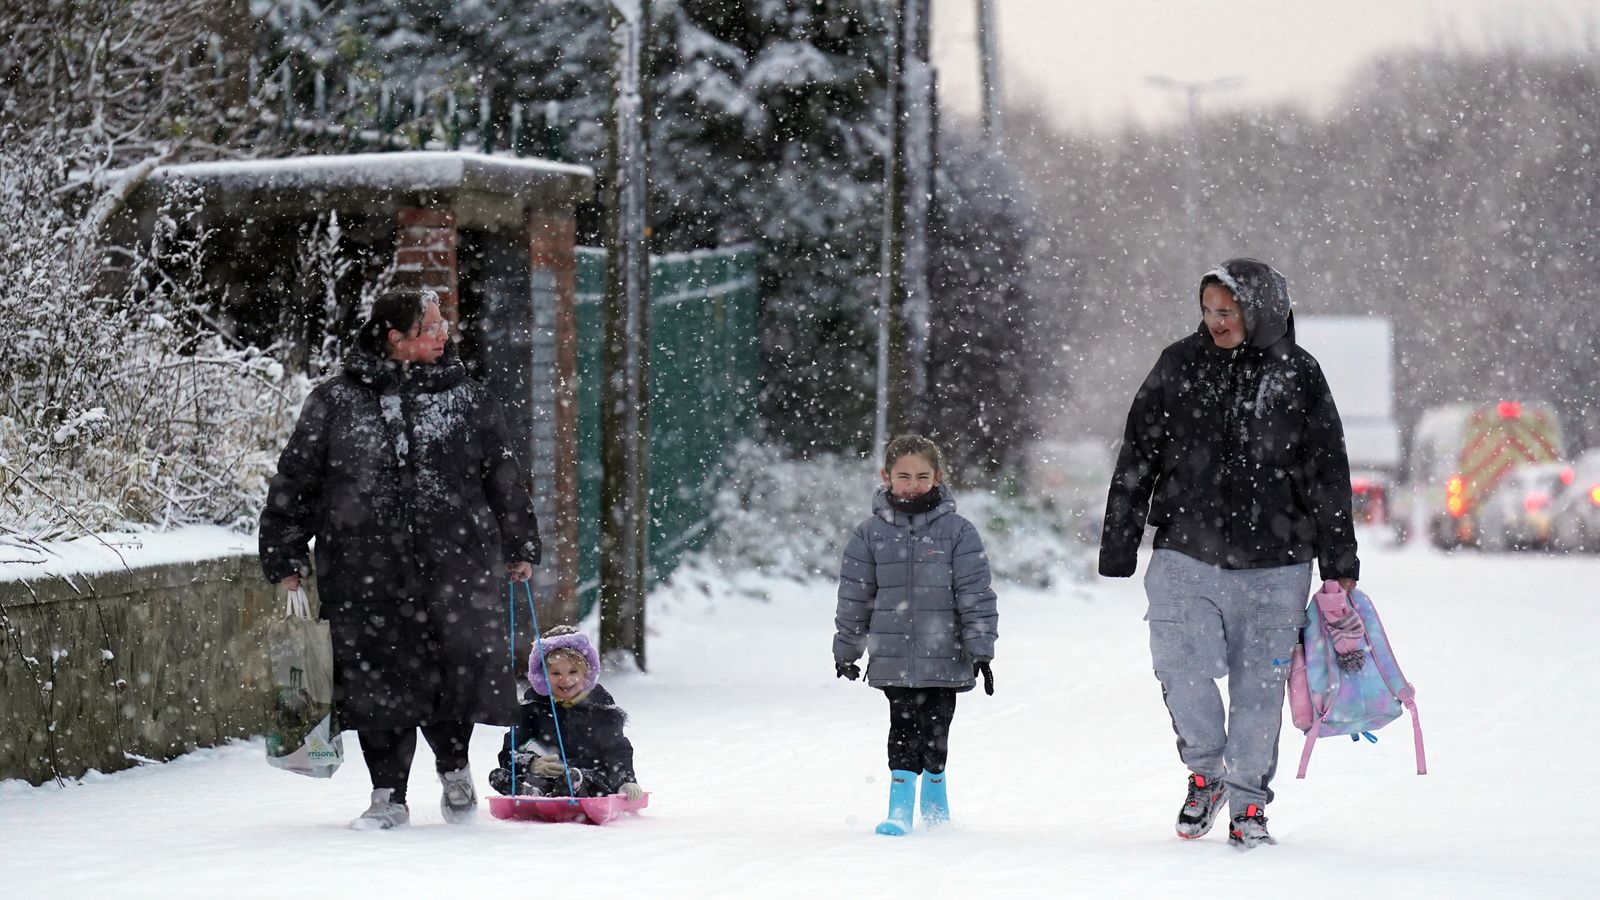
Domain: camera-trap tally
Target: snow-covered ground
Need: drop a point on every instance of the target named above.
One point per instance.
(767, 774)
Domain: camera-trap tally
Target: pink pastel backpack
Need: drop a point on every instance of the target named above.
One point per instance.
(1344, 678)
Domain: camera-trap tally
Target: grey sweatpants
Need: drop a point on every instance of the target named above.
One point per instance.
(1208, 622)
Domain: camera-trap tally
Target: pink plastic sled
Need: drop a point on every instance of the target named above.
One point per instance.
(594, 810)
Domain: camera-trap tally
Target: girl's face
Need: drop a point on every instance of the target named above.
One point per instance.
(911, 476)
(566, 676)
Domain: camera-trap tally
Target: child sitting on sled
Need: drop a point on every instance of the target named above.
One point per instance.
(599, 757)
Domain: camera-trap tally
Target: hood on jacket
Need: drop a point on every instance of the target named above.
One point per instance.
(1263, 296)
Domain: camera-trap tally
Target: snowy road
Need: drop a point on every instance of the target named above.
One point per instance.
(768, 774)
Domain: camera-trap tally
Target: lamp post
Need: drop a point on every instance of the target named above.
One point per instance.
(1192, 91)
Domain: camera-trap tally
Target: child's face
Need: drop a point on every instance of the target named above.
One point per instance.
(566, 676)
(911, 475)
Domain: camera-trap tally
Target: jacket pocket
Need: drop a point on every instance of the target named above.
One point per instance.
(888, 645)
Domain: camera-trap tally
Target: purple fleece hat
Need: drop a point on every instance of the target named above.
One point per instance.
(575, 641)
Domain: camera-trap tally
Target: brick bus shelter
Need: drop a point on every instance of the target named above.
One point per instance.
(494, 236)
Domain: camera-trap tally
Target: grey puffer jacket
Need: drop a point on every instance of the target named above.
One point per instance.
(914, 595)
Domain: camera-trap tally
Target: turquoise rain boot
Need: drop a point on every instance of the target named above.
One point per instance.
(902, 796)
(935, 803)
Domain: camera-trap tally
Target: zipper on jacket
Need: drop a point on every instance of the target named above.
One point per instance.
(911, 595)
(911, 561)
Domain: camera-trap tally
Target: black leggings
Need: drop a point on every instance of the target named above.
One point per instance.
(389, 751)
(919, 727)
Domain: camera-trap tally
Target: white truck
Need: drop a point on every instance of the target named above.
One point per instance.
(1356, 353)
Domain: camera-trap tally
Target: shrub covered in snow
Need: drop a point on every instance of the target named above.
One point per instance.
(792, 517)
(120, 408)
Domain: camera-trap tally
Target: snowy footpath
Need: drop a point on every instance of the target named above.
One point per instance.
(767, 774)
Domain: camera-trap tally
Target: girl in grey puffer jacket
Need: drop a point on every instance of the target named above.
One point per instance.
(914, 595)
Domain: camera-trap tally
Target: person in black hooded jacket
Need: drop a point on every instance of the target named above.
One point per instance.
(399, 469)
(1234, 451)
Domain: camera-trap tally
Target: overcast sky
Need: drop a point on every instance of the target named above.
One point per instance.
(1088, 62)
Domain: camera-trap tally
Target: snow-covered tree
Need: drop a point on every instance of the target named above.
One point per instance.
(120, 407)
(986, 323)
(116, 81)
(767, 124)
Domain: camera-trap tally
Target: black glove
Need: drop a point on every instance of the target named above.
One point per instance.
(500, 781)
(846, 670)
(982, 668)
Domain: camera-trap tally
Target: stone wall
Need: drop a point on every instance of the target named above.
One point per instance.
(130, 666)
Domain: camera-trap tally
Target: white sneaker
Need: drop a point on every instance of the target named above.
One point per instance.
(383, 813)
(460, 800)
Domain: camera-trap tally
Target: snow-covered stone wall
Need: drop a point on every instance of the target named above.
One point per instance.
(112, 670)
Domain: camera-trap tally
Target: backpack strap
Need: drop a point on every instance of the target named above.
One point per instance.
(1315, 730)
(1305, 753)
(1406, 694)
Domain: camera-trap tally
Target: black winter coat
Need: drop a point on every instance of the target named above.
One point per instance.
(1235, 456)
(404, 478)
(592, 732)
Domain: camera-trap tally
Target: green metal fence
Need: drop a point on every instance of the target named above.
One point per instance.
(705, 357)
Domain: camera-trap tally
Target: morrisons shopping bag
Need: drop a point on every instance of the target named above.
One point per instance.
(302, 731)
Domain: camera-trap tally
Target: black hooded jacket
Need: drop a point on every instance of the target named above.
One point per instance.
(1235, 456)
(404, 478)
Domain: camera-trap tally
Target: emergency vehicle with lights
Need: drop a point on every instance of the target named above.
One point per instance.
(1460, 453)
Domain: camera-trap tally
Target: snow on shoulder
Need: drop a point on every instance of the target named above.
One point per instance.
(110, 552)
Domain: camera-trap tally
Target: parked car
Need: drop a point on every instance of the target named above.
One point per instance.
(1369, 497)
(1517, 513)
(1576, 513)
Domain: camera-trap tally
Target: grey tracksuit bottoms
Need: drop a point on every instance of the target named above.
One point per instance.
(1208, 622)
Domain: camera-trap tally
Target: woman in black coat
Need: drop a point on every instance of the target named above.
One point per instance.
(399, 468)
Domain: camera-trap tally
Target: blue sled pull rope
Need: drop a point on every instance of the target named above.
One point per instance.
(511, 633)
(538, 637)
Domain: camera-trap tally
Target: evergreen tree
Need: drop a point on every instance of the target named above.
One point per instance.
(768, 124)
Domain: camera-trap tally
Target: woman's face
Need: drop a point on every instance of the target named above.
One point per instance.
(425, 342)
(911, 476)
(566, 676)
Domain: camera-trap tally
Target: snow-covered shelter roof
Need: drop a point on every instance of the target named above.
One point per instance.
(483, 190)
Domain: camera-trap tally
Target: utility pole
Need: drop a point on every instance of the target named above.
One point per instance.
(1192, 91)
(989, 72)
(911, 111)
(625, 393)
(887, 314)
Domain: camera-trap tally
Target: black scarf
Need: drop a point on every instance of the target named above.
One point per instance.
(921, 504)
